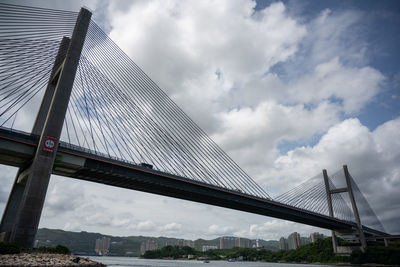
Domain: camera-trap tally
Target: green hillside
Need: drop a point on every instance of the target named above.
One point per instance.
(84, 242)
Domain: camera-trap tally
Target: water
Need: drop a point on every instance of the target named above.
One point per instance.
(136, 262)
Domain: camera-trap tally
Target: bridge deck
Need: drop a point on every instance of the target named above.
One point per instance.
(17, 149)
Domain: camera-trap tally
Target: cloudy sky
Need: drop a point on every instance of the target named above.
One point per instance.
(286, 88)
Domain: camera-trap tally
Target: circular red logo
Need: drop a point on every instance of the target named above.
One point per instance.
(49, 143)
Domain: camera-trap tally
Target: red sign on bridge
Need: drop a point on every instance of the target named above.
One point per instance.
(49, 143)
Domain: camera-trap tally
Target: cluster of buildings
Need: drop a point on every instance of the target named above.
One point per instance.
(294, 240)
(227, 242)
(102, 246)
(153, 245)
(185, 243)
(148, 245)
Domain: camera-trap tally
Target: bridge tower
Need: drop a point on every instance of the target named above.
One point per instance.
(21, 217)
(349, 190)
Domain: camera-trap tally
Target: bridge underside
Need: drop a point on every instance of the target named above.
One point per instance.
(17, 149)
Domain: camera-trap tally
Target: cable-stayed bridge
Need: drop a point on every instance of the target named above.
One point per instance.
(100, 118)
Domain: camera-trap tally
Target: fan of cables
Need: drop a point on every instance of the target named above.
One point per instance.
(115, 109)
(311, 196)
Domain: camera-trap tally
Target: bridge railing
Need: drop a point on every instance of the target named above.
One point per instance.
(35, 137)
(93, 152)
(20, 133)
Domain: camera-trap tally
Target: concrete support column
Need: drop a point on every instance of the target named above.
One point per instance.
(355, 210)
(386, 242)
(330, 208)
(11, 209)
(28, 216)
(14, 200)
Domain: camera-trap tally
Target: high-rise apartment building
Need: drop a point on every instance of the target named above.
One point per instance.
(227, 242)
(315, 236)
(283, 244)
(304, 241)
(185, 243)
(294, 240)
(241, 242)
(102, 246)
(148, 245)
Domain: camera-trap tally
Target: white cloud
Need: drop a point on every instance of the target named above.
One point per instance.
(202, 50)
(56, 201)
(171, 227)
(338, 34)
(145, 226)
(220, 230)
(252, 135)
(354, 87)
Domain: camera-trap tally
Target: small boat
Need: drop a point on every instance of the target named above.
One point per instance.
(206, 261)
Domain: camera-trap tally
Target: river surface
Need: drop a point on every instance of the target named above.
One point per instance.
(136, 262)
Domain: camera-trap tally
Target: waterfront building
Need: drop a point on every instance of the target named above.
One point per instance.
(102, 246)
(227, 242)
(283, 244)
(315, 236)
(241, 242)
(205, 248)
(148, 245)
(293, 240)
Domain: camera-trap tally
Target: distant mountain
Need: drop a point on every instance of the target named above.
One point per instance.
(84, 242)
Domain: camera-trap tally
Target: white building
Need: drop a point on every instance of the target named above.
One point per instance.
(102, 246)
(294, 240)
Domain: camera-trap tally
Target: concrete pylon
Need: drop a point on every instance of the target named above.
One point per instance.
(30, 208)
(349, 190)
(330, 208)
(14, 200)
(355, 209)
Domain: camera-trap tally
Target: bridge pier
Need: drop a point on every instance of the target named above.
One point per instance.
(11, 209)
(26, 201)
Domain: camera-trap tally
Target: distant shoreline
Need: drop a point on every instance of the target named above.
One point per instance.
(343, 264)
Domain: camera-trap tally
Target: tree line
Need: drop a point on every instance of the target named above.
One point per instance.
(318, 252)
